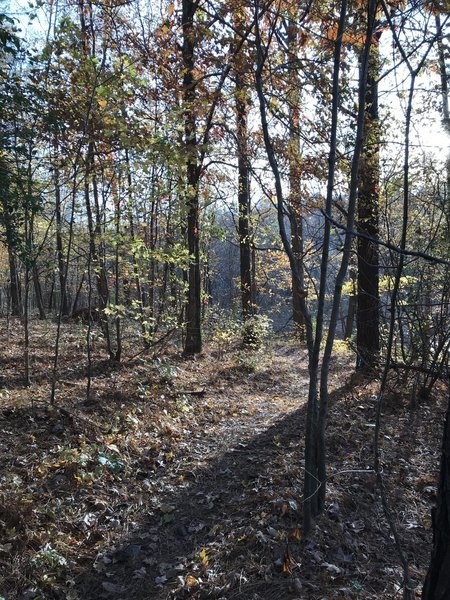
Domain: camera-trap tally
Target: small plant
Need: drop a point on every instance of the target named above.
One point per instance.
(183, 404)
(248, 361)
(256, 331)
(167, 372)
(49, 558)
(224, 332)
(111, 461)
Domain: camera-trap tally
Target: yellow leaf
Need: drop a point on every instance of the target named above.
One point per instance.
(191, 581)
(170, 9)
(203, 554)
(296, 535)
(102, 102)
(163, 30)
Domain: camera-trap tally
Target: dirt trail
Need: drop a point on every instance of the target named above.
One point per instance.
(206, 512)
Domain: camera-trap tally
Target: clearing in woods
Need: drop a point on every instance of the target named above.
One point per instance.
(183, 478)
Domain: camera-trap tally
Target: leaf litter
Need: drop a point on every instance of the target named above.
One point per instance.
(149, 492)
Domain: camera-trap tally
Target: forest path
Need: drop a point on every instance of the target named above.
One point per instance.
(235, 474)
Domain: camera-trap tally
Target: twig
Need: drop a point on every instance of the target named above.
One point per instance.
(388, 245)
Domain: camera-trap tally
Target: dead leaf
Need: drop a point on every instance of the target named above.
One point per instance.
(191, 581)
(331, 568)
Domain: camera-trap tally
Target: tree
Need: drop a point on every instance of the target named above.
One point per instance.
(437, 582)
(368, 301)
(242, 103)
(193, 338)
(10, 48)
(295, 208)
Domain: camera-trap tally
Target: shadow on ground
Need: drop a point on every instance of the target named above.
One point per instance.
(218, 509)
(230, 528)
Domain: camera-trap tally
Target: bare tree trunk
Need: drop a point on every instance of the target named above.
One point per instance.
(346, 253)
(442, 50)
(14, 284)
(351, 311)
(51, 296)
(242, 107)
(312, 482)
(437, 582)
(297, 249)
(193, 339)
(95, 255)
(116, 197)
(151, 235)
(59, 246)
(38, 292)
(26, 329)
(295, 201)
(368, 311)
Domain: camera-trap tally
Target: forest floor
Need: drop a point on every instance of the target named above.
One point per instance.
(182, 478)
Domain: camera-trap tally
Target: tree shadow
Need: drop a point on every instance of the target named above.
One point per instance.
(239, 513)
(201, 508)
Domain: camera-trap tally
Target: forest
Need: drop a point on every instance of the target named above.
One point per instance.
(224, 299)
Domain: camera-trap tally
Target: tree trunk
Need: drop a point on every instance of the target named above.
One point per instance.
(117, 271)
(351, 312)
(242, 107)
(245, 250)
(368, 311)
(64, 304)
(95, 256)
(14, 285)
(38, 292)
(442, 50)
(294, 158)
(298, 316)
(51, 296)
(437, 582)
(193, 338)
(136, 275)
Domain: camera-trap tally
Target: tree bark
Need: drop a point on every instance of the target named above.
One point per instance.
(38, 292)
(437, 582)
(193, 338)
(136, 274)
(96, 258)
(351, 312)
(295, 200)
(244, 230)
(14, 285)
(64, 304)
(368, 311)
